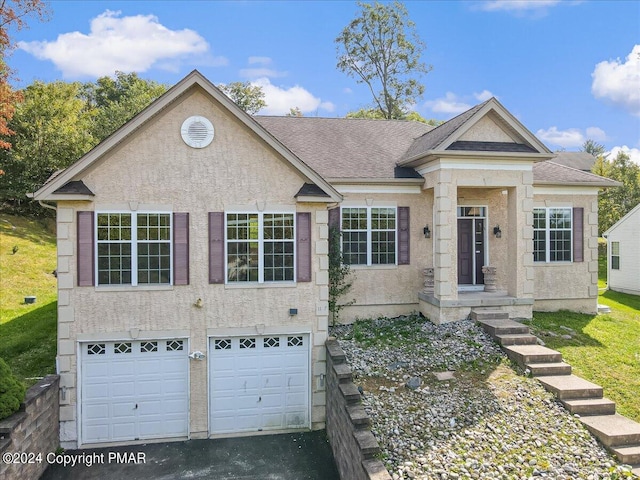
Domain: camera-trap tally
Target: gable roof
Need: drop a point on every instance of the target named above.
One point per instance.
(446, 138)
(552, 173)
(580, 160)
(195, 79)
(353, 148)
(631, 213)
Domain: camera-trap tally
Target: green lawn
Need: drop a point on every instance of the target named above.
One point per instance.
(604, 349)
(27, 331)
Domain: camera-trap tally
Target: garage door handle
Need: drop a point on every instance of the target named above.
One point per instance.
(136, 407)
(259, 399)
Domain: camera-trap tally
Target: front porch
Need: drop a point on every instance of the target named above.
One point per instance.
(450, 310)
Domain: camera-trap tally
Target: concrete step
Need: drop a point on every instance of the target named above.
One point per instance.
(591, 406)
(525, 354)
(479, 314)
(503, 327)
(545, 369)
(628, 455)
(571, 387)
(613, 430)
(517, 339)
(636, 470)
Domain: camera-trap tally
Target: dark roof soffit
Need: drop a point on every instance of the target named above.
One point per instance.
(75, 187)
(470, 146)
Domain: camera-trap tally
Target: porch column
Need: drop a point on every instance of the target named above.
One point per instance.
(445, 203)
(520, 272)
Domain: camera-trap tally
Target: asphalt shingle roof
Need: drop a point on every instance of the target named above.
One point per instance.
(347, 147)
(580, 160)
(490, 147)
(550, 172)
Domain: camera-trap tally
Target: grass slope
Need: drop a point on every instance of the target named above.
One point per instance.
(27, 332)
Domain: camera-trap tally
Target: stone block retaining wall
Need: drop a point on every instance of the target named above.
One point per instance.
(30, 431)
(348, 425)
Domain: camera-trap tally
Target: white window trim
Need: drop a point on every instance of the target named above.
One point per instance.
(615, 255)
(134, 251)
(547, 229)
(260, 241)
(369, 235)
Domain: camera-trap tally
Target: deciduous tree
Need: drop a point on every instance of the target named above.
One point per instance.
(13, 16)
(381, 48)
(117, 100)
(248, 97)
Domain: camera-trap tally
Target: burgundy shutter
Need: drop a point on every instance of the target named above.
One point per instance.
(181, 249)
(216, 247)
(403, 236)
(334, 218)
(86, 270)
(578, 234)
(303, 246)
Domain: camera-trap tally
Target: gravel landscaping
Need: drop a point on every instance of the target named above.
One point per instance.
(481, 419)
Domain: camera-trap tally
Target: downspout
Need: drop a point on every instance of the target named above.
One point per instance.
(45, 205)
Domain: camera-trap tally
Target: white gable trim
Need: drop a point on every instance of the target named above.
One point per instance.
(622, 220)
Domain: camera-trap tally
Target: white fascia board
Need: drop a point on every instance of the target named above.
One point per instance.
(476, 164)
(565, 189)
(432, 156)
(312, 199)
(360, 188)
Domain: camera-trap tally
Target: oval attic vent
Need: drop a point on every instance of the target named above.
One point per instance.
(197, 132)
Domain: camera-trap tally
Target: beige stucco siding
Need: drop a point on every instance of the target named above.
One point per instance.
(570, 285)
(392, 289)
(155, 169)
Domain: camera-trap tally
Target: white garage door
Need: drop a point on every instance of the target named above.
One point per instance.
(259, 383)
(134, 390)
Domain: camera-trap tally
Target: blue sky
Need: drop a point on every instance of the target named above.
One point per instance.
(569, 70)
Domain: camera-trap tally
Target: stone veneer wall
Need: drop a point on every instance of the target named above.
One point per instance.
(348, 425)
(31, 430)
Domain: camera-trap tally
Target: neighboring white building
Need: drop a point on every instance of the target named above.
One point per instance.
(623, 266)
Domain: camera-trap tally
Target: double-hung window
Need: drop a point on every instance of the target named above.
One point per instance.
(260, 247)
(133, 248)
(369, 235)
(615, 255)
(552, 234)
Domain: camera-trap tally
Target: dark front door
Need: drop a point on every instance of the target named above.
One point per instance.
(470, 251)
(465, 251)
(479, 250)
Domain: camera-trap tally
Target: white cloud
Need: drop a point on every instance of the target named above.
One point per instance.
(252, 73)
(596, 134)
(619, 82)
(262, 69)
(453, 104)
(281, 99)
(128, 44)
(450, 104)
(634, 153)
(259, 60)
(517, 5)
(569, 138)
(483, 96)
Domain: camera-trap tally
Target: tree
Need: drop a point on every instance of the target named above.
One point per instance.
(339, 273)
(594, 148)
(52, 130)
(116, 100)
(614, 203)
(381, 49)
(248, 97)
(13, 15)
(294, 112)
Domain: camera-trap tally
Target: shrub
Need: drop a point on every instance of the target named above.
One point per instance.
(11, 391)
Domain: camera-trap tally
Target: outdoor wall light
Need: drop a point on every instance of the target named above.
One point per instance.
(426, 231)
(497, 232)
(196, 355)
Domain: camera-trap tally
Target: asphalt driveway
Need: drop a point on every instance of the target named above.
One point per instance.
(299, 456)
